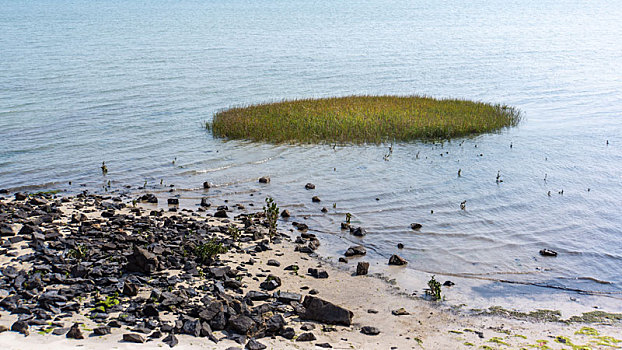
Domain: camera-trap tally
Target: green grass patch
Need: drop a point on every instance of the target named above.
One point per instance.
(361, 119)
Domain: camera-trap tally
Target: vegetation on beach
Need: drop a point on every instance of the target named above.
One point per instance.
(361, 119)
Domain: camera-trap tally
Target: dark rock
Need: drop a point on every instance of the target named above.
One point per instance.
(358, 231)
(205, 203)
(288, 333)
(400, 246)
(242, 325)
(142, 261)
(275, 324)
(448, 283)
(207, 185)
(397, 260)
(150, 310)
(192, 327)
(6, 231)
(317, 273)
(170, 340)
(324, 345)
(155, 335)
(372, 311)
(288, 297)
(133, 338)
(342, 259)
(323, 311)
(356, 250)
(415, 226)
(400, 312)
(314, 292)
(103, 330)
(21, 327)
(257, 296)
(285, 213)
(26, 230)
(75, 332)
(307, 327)
(60, 331)
(20, 196)
(272, 282)
(272, 262)
(306, 337)
(362, 268)
(310, 186)
(369, 330)
(264, 179)
(149, 198)
(130, 289)
(324, 210)
(220, 214)
(316, 199)
(173, 201)
(548, 252)
(254, 345)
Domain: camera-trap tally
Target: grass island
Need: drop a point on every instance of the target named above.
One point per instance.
(361, 119)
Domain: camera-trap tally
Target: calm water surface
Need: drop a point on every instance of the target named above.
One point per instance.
(132, 82)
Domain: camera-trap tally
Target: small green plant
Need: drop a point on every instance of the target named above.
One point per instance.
(348, 217)
(271, 210)
(104, 169)
(434, 289)
(79, 252)
(234, 232)
(208, 252)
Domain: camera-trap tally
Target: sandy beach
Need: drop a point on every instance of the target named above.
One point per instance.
(273, 279)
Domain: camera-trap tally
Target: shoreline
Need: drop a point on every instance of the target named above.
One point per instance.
(427, 324)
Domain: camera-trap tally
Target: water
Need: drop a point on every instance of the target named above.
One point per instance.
(132, 82)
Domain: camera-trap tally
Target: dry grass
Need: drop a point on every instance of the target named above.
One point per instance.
(361, 119)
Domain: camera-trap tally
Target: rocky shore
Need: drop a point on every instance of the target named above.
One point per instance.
(102, 271)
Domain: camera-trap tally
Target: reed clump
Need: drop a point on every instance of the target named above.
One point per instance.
(361, 119)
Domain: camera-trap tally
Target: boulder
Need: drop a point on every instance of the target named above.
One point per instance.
(133, 338)
(362, 268)
(75, 332)
(369, 330)
(323, 311)
(356, 250)
(143, 261)
(397, 260)
(170, 340)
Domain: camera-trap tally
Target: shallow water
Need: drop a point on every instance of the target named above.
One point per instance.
(131, 83)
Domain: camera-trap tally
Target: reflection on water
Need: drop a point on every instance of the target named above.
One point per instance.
(132, 83)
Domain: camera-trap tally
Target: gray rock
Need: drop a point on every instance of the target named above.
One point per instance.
(130, 289)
